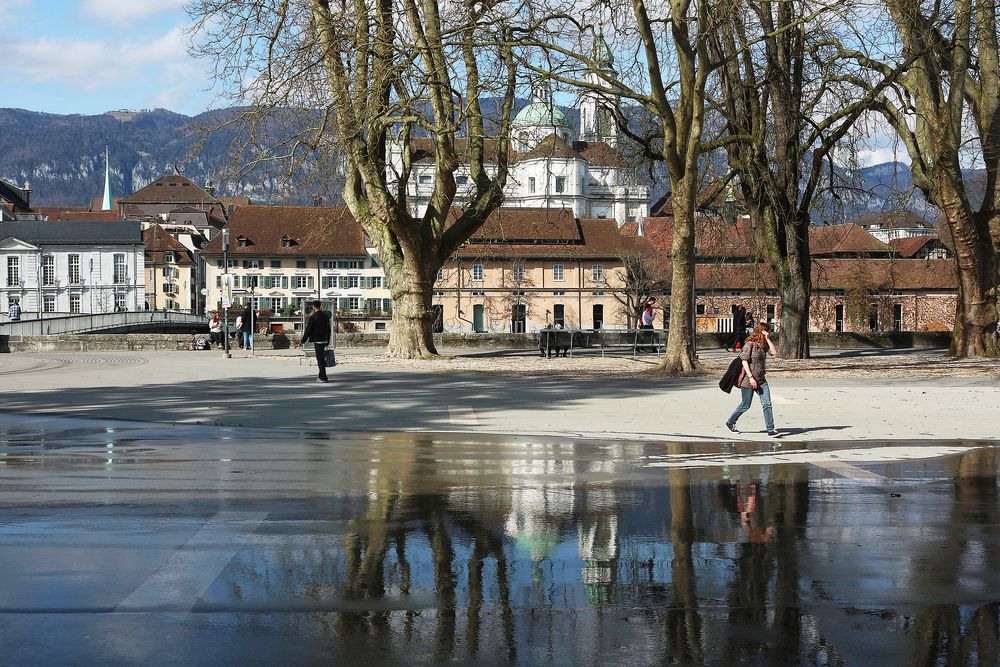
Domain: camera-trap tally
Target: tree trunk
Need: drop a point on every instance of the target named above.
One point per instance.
(795, 284)
(976, 262)
(679, 358)
(410, 281)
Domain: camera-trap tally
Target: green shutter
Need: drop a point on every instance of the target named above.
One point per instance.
(311, 282)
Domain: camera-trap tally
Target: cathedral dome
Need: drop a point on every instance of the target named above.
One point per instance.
(540, 114)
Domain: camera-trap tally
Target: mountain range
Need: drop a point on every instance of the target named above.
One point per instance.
(62, 156)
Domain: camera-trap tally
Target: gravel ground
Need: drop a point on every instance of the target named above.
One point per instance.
(875, 364)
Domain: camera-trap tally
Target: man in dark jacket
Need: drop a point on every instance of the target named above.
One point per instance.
(318, 331)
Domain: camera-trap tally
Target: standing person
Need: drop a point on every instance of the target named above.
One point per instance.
(247, 322)
(239, 330)
(646, 320)
(15, 311)
(739, 328)
(754, 379)
(215, 334)
(318, 331)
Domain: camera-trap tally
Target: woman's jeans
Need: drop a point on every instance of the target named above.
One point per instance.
(765, 401)
(247, 341)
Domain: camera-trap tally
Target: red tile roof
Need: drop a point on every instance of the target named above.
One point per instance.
(895, 219)
(593, 238)
(168, 190)
(158, 241)
(509, 224)
(314, 230)
(911, 245)
(845, 239)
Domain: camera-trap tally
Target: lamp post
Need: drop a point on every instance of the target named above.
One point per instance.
(226, 292)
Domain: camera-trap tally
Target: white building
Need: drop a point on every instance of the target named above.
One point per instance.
(71, 267)
(548, 167)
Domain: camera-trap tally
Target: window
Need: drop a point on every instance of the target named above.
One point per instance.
(632, 214)
(13, 271)
(559, 314)
(374, 261)
(380, 326)
(74, 269)
(301, 282)
(168, 257)
(275, 263)
(251, 264)
(518, 272)
(242, 242)
(559, 293)
(354, 302)
(329, 282)
(353, 282)
(251, 281)
(74, 303)
(440, 275)
(559, 273)
(699, 309)
(169, 288)
(372, 282)
(560, 184)
(461, 180)
(286, 241)
(120, 301)
(328, 264)
(49, 303)
(120, 274)
(218, 282)
(597, 273)
(477, 272)
(48, 270)
(425, 179)
(531, 185)
(300, 264)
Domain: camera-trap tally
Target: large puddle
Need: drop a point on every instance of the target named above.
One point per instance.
(128, 543)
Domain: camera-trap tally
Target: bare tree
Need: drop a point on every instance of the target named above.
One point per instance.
(788, 99)
(954, 74)
(634, 282)
(666, 77)
(374, 75)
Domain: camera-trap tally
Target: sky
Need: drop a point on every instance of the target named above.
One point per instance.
(92, 56)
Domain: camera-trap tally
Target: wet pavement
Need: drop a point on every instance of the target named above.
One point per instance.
(127, 543)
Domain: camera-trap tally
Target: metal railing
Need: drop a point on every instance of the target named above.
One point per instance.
(70, 324)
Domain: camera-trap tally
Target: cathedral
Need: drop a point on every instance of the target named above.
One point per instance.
(549, 167)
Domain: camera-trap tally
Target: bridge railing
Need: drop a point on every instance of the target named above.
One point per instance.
(54, 326)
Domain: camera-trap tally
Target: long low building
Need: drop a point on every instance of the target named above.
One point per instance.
(71, 267)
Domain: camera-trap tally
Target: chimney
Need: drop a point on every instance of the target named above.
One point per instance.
(26, 191)
(641, 231)
(209, 188)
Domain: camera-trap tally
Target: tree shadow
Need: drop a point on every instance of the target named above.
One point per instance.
(353, 400)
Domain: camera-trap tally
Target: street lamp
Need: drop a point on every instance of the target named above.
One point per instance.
(226, 294)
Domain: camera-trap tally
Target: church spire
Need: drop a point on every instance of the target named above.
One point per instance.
(106, 206)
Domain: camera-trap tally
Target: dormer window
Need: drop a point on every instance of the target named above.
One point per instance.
(287, 241)
(242, 241)
(168, 257)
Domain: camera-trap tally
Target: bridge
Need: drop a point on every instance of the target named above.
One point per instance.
(151, 321)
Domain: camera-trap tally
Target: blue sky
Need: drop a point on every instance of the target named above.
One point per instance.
(91, 56)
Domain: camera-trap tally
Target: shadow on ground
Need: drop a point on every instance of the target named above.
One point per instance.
(353, 400)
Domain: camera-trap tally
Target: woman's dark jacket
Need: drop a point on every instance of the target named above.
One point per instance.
(317, 328)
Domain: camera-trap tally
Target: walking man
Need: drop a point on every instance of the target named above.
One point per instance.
(15, 311)
(318, 331)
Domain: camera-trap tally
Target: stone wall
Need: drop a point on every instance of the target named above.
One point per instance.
(173, 342)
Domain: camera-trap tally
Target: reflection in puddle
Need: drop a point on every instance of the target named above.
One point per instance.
(759, 565)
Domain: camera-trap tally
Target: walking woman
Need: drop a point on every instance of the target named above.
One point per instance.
(753, 379)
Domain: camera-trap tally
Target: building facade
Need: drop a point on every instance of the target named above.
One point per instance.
(170, 272)
(859, 283)
(72, 267)
(528, 268)
(283, 257)
(587, 175)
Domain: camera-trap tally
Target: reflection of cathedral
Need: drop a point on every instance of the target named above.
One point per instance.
(549, 168)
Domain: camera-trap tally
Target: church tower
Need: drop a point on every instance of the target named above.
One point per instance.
(597, 120)
(106, 204)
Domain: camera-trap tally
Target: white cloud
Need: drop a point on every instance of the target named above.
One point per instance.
(91, 65)
(129, 12)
